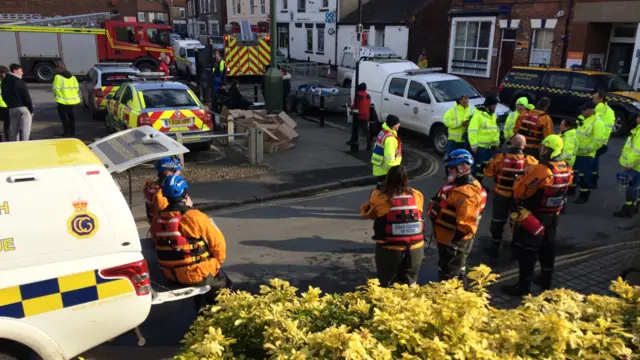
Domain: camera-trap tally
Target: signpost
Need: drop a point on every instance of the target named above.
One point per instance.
(273, 98)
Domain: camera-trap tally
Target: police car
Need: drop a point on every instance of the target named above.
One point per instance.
(568, 89)
(72, 272)
(168, 106)
(101, 80)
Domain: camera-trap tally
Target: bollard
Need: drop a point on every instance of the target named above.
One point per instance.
(252, 146)
(259, 147)
(322, 110)
(180, 156)
(255, 93)
(354, 130)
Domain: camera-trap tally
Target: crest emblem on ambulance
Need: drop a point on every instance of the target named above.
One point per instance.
(177, 113)
(82, 224)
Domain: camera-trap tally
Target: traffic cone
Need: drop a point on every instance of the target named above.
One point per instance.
(329, 76)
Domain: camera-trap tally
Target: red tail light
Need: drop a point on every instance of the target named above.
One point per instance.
(137, 273)
(267, 38)
(208, 119)
(143, 119)
(500, 87)
(226, 38)
(98, 93)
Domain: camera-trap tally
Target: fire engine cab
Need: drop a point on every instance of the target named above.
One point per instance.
(247, 49)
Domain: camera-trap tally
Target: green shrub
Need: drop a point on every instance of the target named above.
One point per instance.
(434, 321)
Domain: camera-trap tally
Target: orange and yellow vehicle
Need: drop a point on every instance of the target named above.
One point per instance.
(247, 50)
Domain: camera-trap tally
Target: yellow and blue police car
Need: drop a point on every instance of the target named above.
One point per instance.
(168, 106)
(72, 272)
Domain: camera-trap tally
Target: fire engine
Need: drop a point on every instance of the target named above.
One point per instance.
(247, 49)
(81, 41)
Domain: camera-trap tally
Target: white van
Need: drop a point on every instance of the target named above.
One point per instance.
(185, 56)
(347, 62)
(419, 97)
(72, 274)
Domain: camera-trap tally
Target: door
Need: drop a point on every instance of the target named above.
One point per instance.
(419, 101)
(124, 109)
(283, 39)
(394, 101)
(581, 88)
(124, 40)
(507, 50)
(619, 59)
(554, 86)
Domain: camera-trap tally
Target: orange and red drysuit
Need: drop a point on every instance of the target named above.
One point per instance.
(154, 201)
(534, 125)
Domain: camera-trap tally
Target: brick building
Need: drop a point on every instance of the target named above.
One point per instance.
(488, 37)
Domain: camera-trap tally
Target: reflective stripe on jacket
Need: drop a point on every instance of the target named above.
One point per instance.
(630, 157)
(387, 152)
(2, 103)
(542, 187)
(534, 125)
(483, 129)
(506, 167)
(590, 135)
(66, 90)
(570, 146)
(456, 120)
(608, 116)
(510, 124)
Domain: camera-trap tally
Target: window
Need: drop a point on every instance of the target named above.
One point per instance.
(115, 79)
(141, 17)
(252, 6)
(379, 37)
(451, 90)
(396, 86)
(203, 28)
(320, 40)
(160, 16)
(556, 80)
(201, 6)
(613, 83)
(285, 4)
(167, 98)
(118, 93)
(127, 95)
(309, 39)
(214, 28)
(347, 60)
(471, 43)
(418, 93)
(182, 13)
(238, 2)
(541, 47)
(325, 4)
(158, 37)
(234, 9)
(283, 36)
(263, 7)
(583, 83)
(125, 34)
(215, 5)
(302, 5)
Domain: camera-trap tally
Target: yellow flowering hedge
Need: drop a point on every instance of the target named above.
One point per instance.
(434, 321)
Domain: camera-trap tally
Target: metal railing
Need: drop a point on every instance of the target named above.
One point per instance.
(309, 68)
(255, 146)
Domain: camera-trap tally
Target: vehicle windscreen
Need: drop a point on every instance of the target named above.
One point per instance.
(115, 78)
(167, 98)
(613, 83)
(451, 90)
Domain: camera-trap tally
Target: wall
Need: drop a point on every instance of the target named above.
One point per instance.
(245, 11)
(395, 37)
(348, 6)
(425, 33)
(635, 75)
(589, 38)
(48, 8)
(150, 6)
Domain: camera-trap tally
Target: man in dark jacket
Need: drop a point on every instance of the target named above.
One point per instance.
(16, 95)
(361, 105)
(204, 61)
(4, 111)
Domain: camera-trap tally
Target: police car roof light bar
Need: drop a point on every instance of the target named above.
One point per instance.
(422, 71)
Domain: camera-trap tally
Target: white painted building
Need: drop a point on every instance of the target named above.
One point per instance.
(395, 37)
(307, 30)
(253, 11)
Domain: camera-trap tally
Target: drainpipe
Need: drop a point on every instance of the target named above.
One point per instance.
(565, 45)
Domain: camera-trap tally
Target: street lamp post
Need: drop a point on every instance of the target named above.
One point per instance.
(272, 79)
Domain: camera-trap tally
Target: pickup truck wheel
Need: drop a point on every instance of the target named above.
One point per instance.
(621, 124)
(439, 138)
(44, 72)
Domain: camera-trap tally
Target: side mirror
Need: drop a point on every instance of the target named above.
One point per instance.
(109, 97)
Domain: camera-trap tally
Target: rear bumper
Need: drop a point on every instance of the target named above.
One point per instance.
(193, 137)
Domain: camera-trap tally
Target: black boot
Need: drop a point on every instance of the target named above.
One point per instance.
(516, 290)
(584, 197)
(544, 280)
(627, 211)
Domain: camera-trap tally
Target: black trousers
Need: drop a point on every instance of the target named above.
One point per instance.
(363, 127)
(529, 249)
(398, 266)
(502, 206)
(217, 283)
(4, 117)
(68, 119)
(452, 260)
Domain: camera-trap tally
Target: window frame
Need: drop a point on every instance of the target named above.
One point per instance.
(252, 6)
(304, 6)
(239, 6)
(263, 7)
(214, 24)
(452, 47)
(183, 13)
(285, 4)
(319, 32)
(426, 93)
(547, 77)
(404, 89)
(578, 75)
(325, 4)
(127, 90)
(283, 30)
(144, 16)
(535, 42)
(307, 49)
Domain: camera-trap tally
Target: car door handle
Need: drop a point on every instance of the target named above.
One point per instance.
(386, 99)
(406, 104)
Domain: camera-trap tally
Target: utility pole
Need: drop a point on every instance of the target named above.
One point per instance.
(272, 79)
(354, 121)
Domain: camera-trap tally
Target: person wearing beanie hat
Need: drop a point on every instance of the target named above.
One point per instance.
(361, 105)
(522, 106)
(591, 136)
(535, 125)
(387, 151)
(484, 135)
(540, 195)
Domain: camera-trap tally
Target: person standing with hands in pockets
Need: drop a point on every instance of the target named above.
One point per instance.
(484, 135)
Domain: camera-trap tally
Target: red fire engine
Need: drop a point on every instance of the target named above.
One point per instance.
(247, 49)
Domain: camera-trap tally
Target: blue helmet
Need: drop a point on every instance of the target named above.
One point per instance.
(174, 186)
(168, 163)
(457, 157)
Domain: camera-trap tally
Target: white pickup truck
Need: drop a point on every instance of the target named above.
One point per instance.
(419, 97)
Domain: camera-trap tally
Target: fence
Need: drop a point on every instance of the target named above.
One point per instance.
(255, 146)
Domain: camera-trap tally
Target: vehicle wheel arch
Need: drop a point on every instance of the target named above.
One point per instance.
(346, 83)
(43, 65)
(626, 125)
(438, 137)
(27, 340)
(145, 62)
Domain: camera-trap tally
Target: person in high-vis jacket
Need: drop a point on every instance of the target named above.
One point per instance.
(630, 161)
(398, 227)
(540, 195)
(591, 136)
(522, 106)
(66, 91)
(456, 120)
(535, 125)
(154, 200)
(4, 110)
(387, 151)
(569, 148)
(455, 213)
(484, 135)
(189, 246)
(505, 167)
(219, 73)
(608, 117)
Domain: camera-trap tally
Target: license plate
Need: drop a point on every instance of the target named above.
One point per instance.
(406, 229)
(179, 122)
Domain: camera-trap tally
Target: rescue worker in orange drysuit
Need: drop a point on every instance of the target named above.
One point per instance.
(189, 246)
(535, 125)
(398, 225)
(505, 167)
(154, 201)
(540, 194)
(455, 212)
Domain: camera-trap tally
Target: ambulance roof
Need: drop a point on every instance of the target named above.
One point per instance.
(45, 154)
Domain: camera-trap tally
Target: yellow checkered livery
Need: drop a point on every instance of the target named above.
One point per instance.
(611, 97)
(244, 60)
(59, 293)
(170, 120)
